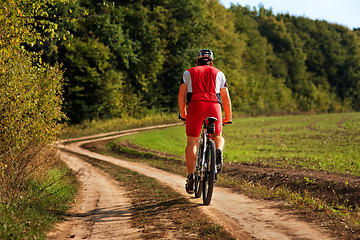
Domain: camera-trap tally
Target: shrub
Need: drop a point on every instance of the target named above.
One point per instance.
(30, 96)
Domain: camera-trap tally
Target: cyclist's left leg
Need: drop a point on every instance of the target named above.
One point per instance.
(214, 110)
(191, 154)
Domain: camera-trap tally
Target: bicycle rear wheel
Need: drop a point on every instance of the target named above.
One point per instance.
(209, 178)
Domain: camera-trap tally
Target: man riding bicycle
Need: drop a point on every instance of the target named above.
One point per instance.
(202, 88)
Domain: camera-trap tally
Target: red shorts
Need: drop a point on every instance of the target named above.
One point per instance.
(196, 113)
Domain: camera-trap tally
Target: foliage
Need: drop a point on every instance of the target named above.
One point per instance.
(290, 48)
(30, 95)
(128, 56)
(46, 199)
(87, 128)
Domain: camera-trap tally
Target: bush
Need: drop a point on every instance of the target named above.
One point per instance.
(30, 97)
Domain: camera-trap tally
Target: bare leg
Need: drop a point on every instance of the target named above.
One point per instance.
(190, 153)
(219, 141)
(219, 144)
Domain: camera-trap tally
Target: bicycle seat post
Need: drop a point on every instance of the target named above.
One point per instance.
(210, 127)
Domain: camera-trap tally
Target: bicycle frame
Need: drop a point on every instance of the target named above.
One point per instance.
(205, 137)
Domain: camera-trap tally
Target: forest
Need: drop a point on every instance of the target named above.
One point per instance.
(126, 58)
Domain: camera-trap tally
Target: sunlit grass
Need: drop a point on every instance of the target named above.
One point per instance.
(329, 142)
(102, 126)
(45, 201)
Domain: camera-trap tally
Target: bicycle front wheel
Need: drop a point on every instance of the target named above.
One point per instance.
(209, 178)
(198, 186)
(198, 172)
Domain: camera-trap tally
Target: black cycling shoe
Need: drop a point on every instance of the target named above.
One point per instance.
(219, 160)
(189, 185)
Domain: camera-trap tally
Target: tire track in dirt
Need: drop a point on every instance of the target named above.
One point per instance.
(101, 211)
(245, 218)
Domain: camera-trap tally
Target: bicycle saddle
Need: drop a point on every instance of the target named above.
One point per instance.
(211, 119)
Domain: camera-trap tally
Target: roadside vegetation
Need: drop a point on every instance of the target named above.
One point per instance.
(310, 162)
(88, 128)
(35, 188)
(44, 201)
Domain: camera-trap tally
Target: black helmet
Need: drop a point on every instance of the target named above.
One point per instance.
(203, 52)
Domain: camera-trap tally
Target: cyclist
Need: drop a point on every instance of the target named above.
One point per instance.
(203, 89)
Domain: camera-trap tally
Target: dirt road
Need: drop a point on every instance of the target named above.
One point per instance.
(102, 211)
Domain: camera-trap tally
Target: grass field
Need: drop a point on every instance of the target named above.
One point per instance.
(276, 158)
(329, 142)
(45, 201)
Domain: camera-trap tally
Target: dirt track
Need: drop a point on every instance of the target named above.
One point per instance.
(102, 211)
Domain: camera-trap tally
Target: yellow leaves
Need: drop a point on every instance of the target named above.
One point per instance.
(19, 12)
(3, 166)
(30, 96)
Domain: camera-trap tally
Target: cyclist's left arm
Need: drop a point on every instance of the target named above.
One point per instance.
(225, 97)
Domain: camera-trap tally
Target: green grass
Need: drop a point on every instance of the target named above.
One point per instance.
(117, 124)
(329, 142)
(44, 202)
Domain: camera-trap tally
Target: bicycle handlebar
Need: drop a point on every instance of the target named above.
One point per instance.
(184, 119)
(226, 123)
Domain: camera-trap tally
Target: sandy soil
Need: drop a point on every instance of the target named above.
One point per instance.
(102, 212)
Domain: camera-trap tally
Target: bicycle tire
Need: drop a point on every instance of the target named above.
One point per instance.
(198, 181)
(209, 178)
(198, 186)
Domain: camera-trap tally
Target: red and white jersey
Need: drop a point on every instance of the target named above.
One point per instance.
(204, 83)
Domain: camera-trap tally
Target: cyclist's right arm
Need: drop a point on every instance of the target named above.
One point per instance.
(225, 97)
(182, 100)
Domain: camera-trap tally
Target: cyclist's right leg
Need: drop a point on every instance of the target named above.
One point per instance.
(190, 156)
(193, 129)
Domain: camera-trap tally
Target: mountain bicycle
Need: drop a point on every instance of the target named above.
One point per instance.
(205, 170)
